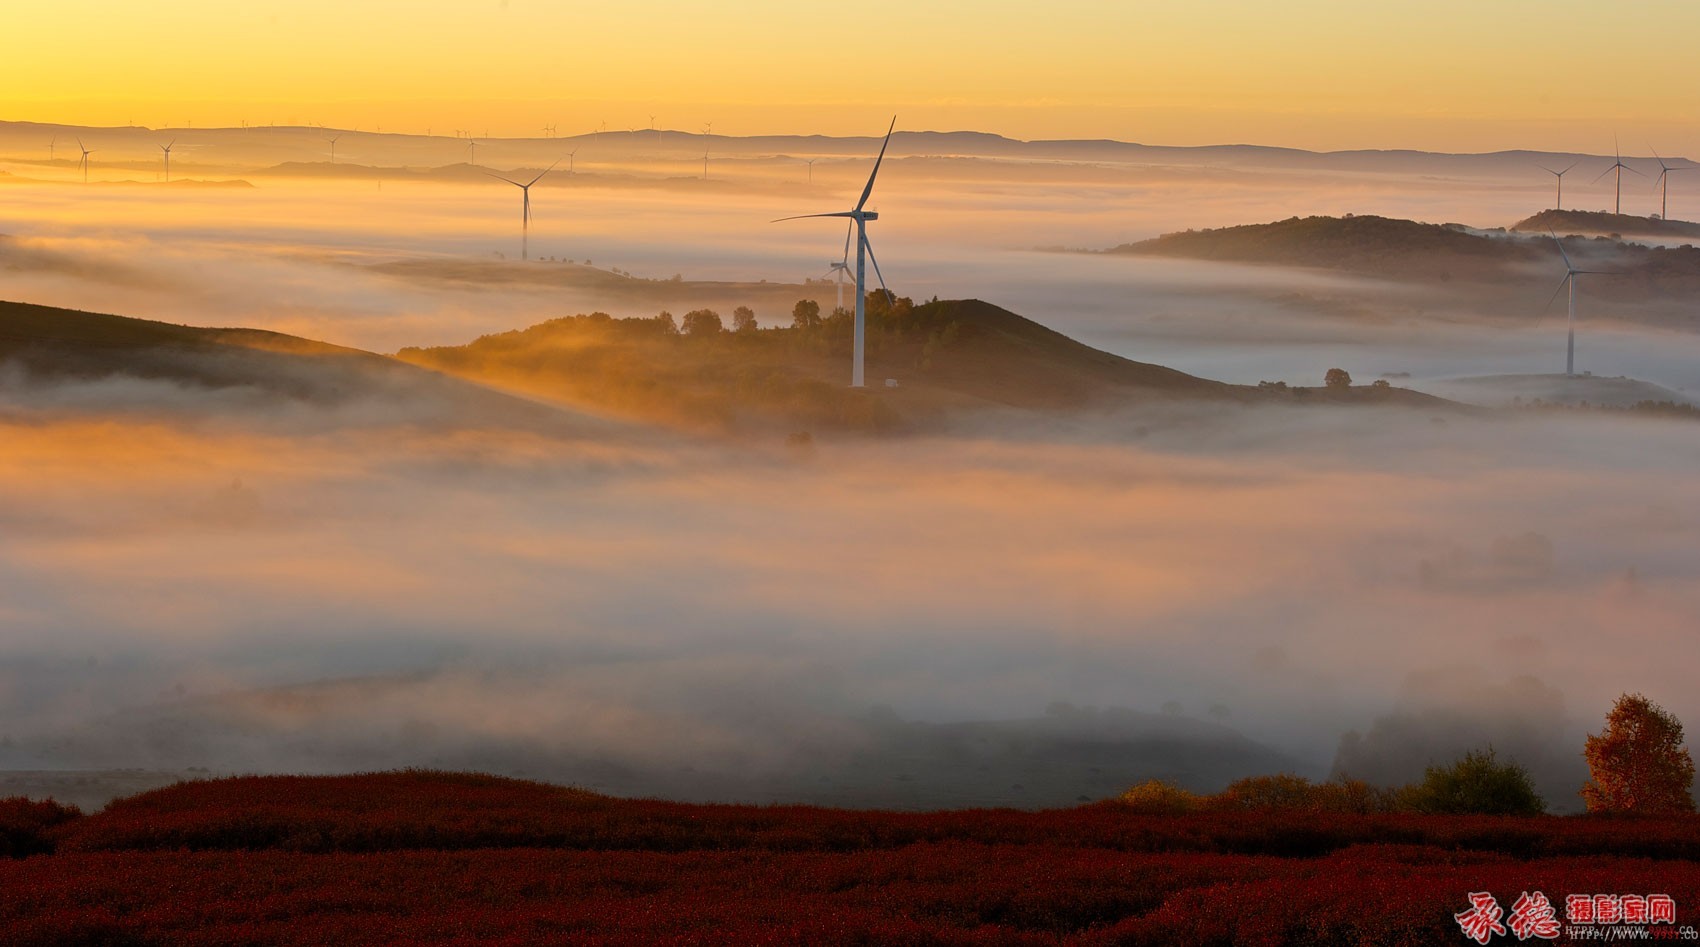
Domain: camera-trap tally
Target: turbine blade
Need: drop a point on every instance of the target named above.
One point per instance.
(842, 213)
(1602, 174)
(870, 188)
(540, 174)
(509, 180)
(868, 246)
(1567, 170)
(1560, 289)
(1568, 266)
(1632, 170)
(847, 230)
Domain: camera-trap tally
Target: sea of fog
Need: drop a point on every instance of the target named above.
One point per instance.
(648, 604)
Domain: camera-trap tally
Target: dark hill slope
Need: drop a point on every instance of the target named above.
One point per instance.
(46, 346)
(1599, 223)
(1382, 246)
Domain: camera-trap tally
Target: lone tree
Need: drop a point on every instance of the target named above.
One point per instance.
(1639, 765)
(1337, 378)
(805, 315)
(743, 319)
(702, 322)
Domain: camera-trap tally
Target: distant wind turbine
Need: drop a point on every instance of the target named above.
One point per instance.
(864, 255)
(840, 269)
(570, 160)
(50, 144)
(333, 148)
(812, 169)
(472, 146)
(705, 147)
(1619, 167)
(85, 161)
(525, 212)
(1663, 184)
(167, 150)
(1570, 274)
(1560, 176)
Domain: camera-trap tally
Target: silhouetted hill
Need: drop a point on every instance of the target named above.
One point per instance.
(1366, 244)
(1599, 223)
(944, 357)
(43, 345)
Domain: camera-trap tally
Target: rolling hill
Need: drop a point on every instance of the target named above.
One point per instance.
(1599, 223)
(1381, 246)
(235, 368)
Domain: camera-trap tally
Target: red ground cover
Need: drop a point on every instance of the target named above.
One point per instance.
(431, 858)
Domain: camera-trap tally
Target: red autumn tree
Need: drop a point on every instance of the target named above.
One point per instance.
(1639, 764)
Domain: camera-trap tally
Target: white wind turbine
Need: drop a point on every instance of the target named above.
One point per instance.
(864, 255)
(333, 148)
(1663, 184)
(1559, 205)
(839, 270)
(525, 211)
(1619, 167)
(167, 150)
(84, 163)
(1570, 274)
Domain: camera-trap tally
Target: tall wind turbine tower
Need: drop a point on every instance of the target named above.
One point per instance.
(51, 142)
(472, 148)
(1570, 274)
(333, 148)
(1619, 167)
(1663, 184)
(570, 160)
(167, 150)
(864, 255)
(525, 211)
(1560, 176)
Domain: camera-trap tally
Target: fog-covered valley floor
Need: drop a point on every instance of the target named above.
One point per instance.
(1014, 610)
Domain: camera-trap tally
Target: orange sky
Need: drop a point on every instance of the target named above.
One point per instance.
(1439, 75)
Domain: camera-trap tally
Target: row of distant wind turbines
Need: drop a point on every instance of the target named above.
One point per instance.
(1617, 167)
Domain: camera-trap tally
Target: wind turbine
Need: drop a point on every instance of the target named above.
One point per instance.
(705, 147)
(811, 162)
(570, 160)
(525, 213)
(840, 270)
(50, 144)
(1663, 184)
(1570, 274)
(167, 150)
(472, 146)
(1619, 167)
(864, 255)
(333, 148)
(1560, 176)
(84, 163)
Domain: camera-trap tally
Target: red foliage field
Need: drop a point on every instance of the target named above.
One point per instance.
(434, 858)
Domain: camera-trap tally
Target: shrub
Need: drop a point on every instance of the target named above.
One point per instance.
(1159, 797)
(1638, 764)
(1478, 783)
(24, 825)
(1287, 791)
(1337, 378)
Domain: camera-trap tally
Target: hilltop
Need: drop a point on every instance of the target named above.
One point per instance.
(1599, 223)
(1381, 246)
(942, 359)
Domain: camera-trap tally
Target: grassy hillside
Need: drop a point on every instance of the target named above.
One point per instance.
(446, 858)
(945, 357)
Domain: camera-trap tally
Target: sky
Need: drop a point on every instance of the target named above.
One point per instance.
(1442, 75)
